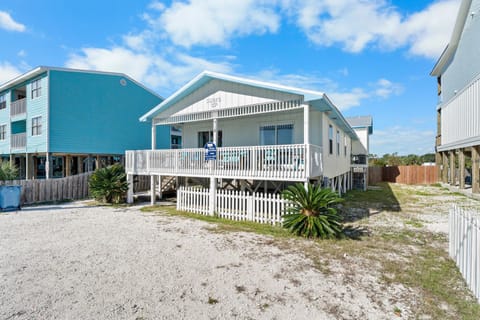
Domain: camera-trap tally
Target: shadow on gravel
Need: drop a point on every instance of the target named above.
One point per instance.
(362, 204)
(355, 233)
(51, 207)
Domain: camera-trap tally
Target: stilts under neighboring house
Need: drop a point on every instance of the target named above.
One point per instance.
(250, 136)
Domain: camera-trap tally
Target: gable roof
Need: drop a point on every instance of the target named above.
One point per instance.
(447, 55)
(361, 122)
(316, 99)
(42, 69)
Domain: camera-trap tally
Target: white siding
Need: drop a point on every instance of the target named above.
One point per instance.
(334, 164)
(225, 95)
(244, 131)
(361, 146)
(461, 116)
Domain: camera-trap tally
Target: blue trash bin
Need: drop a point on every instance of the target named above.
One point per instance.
(10, 198)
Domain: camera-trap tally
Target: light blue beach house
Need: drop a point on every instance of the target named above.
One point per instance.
(458, 109)
(55, 122)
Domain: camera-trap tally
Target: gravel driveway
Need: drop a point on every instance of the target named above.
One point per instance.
(75, 261)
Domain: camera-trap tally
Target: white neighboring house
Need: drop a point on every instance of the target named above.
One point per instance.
(267, 136)
(458, 110)
(363, 126)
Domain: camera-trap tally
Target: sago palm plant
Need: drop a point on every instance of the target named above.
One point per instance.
(109, 184)
(8, 171)
(313, 213)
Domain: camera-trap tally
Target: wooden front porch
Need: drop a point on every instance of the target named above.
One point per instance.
(295, 162)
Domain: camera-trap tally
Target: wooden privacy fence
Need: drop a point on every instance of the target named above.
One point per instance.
(37, 191)
(403, 174)
(68, 188)
(234, 205)
(464, 245)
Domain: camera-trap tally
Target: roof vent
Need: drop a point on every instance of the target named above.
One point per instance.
(123, 82)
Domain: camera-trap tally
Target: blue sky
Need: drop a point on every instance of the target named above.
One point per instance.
(371, 57)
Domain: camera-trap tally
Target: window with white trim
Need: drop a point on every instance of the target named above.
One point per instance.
(3, 132)
(3, 101)
(276, 134)
(338, 142)
(330, 139)
(345, 143)
(36, 126)
(207, 136)
(36, 88)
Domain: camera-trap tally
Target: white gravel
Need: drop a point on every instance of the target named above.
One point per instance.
(79, 262)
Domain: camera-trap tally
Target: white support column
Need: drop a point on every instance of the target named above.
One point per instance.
(160, 187)
(306, 139)
(130, 188)
(153, 194)
(154, 136)
(213, 180)
(306, 124)
(47, 165)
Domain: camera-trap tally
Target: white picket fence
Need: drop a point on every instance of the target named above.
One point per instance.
(234, 205)
(464, 245)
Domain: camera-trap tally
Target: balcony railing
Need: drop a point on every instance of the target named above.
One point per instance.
(19, 140)
(296, 162)
(18, 107)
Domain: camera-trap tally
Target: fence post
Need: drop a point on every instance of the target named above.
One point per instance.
(250, 199)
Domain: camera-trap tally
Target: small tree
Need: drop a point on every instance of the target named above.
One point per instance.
(8, 171)
(313, 214)
(109, 184)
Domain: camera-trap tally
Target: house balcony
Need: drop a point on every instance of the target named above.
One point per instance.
(295, 162)
(18, 107)
(19, 140)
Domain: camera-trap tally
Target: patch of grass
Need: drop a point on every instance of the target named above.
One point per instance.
(440, 283)
(437, 185)
(379, 197)
(416, 223)
(223, 225)
(397, 311)
(212, 300)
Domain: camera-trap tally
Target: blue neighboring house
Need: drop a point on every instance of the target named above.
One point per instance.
(458, 111)
(56, 122)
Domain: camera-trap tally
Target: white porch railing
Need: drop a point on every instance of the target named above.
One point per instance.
(295, 162)
(19, 140)
(234, 205)
(18, 107)
(464, 245)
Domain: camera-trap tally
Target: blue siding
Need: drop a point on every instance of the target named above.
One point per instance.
(96, 113)
(5, 120)
(465, 65)
(37, 107)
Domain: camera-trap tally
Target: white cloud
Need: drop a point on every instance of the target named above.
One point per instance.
(115, 60)
(430, 30)
(404, 140)
(385, 88)
(214, 22)
(343, 98)
(7, 23)
(8, 72)
(161, 71)
(347, 100)
(357, 24)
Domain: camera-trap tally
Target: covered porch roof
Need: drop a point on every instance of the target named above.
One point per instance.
(317, 100)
